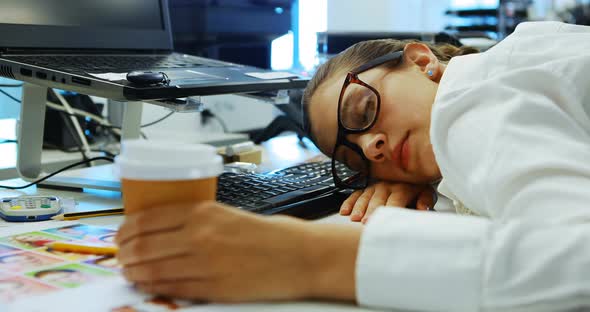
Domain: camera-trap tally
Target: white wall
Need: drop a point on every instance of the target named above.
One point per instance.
(386, 15)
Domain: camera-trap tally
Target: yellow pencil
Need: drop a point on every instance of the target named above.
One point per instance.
(88, 214)
(81, 248)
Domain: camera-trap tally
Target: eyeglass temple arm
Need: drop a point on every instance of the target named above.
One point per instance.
(378, 61)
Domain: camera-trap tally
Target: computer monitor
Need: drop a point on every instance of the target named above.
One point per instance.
(235, 31)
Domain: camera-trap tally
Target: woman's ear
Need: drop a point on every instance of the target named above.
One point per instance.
(420, 55)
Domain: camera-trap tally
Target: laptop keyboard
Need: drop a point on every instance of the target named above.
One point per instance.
(115, 63)
(261, 193)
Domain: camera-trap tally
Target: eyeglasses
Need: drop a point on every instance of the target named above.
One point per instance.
(358, 108)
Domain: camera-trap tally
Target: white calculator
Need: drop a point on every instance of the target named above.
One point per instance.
(29, 208)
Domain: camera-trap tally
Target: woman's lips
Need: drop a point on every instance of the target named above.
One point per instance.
(401, 153)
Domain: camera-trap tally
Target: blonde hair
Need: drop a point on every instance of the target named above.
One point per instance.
(361, 53)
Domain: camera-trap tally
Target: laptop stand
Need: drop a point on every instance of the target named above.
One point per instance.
(30, 140)
(31, 128)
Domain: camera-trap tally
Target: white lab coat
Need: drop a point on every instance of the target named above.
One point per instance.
(511, 135)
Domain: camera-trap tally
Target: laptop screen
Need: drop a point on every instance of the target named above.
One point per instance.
(85, 24)
(126, 14)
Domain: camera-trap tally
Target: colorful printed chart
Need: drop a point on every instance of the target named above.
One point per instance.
(28, 267)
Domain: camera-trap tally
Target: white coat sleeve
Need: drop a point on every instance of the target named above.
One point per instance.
(428, 262)
(533, 179)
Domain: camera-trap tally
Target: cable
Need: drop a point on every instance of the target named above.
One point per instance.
(157, 120)
(103, 122)
(11, 85)
(151, 123)
(80, 113)
(81, 138)
(10, 96)
(73, 134)
(72, 112)
(90, 160)
(118, 129)
(76, 112)
(207, 114)
(70, 151)
(221, 122)
(74, 120)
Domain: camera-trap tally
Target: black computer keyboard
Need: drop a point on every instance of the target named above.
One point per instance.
(264, 193)
(105, 63)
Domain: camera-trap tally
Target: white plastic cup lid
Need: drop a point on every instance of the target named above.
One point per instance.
(169, 161)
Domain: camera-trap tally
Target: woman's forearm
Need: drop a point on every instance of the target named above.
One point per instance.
(222, 254)
(330, 251)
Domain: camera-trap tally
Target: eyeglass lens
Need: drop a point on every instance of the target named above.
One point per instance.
(359, 107)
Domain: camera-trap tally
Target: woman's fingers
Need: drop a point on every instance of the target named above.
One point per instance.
(401, 195)
(347, 205)
(362, 203)
(150, 247)
(379, 199)
(169, 269)
(143, 222)
(358, 211)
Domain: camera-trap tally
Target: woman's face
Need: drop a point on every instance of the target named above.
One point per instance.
(398, 145)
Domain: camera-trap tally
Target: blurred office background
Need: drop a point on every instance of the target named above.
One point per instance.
(297, 35)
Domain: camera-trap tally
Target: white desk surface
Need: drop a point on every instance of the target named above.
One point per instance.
(283, 148)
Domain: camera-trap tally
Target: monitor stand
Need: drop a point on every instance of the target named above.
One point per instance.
(30, 144)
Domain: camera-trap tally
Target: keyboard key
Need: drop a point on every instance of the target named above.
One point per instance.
(94, 63)
(261, 192)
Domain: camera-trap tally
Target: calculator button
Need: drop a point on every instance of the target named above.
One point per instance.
(16, 207)
(45, 206)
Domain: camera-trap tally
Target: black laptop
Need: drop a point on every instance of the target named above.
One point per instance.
(89, 46)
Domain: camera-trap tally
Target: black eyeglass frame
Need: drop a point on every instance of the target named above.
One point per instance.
(343, 131)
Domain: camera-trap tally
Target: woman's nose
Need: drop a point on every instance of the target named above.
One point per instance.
(374, 146)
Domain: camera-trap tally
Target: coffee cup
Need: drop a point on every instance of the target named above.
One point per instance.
(159, 174)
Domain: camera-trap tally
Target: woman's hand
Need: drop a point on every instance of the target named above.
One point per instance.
(362, 203)
(213, 252)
